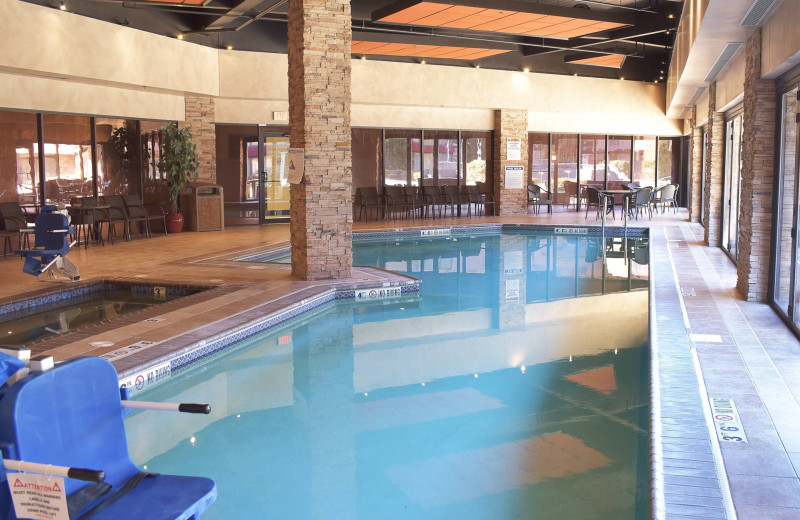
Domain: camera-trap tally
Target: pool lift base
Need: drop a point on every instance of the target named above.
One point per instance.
(60, 266)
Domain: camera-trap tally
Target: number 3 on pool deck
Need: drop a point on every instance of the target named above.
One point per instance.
(727, 438)
(160, 293)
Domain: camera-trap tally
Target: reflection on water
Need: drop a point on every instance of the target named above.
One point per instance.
(48, 320)
(495, 395)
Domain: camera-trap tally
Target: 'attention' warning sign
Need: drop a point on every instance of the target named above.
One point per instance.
(38, 496)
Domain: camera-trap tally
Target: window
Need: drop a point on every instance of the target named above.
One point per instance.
(117, 152)
(19, 157)
(68, 158)
(644, 160)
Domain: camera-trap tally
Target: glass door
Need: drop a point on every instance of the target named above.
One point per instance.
(703, 177)
(273, 186)
(732, 186)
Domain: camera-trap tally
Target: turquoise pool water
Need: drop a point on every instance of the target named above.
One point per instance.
(513, 387)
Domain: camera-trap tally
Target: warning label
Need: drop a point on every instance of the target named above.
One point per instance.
(38, 496)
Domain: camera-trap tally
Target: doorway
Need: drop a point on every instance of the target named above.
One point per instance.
(273, 183)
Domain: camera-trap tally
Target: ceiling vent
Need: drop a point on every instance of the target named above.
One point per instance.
(726, 54)
(756, 13)
(696, 96)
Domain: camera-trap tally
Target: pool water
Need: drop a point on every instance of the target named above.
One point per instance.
(67, 315)
(514, 387)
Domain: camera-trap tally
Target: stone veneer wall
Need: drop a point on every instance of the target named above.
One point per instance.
(200, 117)
(758, 164)
(319, 122)
(695, 180)
(715, 154)
(510, 124)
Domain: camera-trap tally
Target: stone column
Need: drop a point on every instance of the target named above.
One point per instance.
(695, 181)
(715, 154)
(758, 164)
(510, 124)
(319, 122)
(200, 116)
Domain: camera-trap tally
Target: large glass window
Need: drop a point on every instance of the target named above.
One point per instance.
(564, 166)
(619, 161)
(731, 185)
(593, 160)
(538, 151)
(476, 158)
(786, 202)
(395, 153)
(703, 177)
(644, 160)
(19, 160)
(117, 151)
(68, 158)
(668, 161)
(447, 161)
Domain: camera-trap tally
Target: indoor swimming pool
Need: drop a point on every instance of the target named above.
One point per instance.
(514, 385)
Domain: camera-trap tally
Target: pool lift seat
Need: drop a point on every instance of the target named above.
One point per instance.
(49, 257)
(71, 417)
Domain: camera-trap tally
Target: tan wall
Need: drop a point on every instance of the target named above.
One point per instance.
(781, 40)
(135, 74)
(52, 95)
(730, 82)
(45, 40)
(691, 18)
(702, 109)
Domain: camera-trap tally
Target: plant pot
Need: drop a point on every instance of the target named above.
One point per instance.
(174, 222)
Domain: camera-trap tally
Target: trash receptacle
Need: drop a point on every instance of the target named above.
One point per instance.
(203, 207)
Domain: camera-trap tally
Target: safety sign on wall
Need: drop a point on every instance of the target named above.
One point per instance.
(39, 497)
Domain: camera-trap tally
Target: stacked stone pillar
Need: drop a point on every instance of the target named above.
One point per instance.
(758, 164)
(695, 180)
(510, 124)
(319, 122)
(200, 116)
(715, 154)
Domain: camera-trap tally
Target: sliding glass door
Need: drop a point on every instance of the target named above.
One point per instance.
(785, 287)
(732, 186)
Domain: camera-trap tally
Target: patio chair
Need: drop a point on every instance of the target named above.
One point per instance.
(536, 198)
(450, 197)
(14, 223)
(395, 201)
(414, 201)
(487, 199)
(136, 209)
(570, 193)
(595, 197)
(116, 214)
(432, 197)
(665, 196)
(641, 200)
(71, 417)
(86, 218)
(367, 198)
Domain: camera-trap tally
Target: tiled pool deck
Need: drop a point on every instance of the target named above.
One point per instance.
(698, 322)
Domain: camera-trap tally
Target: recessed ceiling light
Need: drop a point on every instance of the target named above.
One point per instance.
(422, 62)
(363, 58)
(180, 36)
(526, 69)
(229, 47)
(622, 78)
(62, 6)
(477, 66)
(670, 16)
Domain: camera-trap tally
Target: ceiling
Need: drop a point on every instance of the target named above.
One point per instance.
(629, 39)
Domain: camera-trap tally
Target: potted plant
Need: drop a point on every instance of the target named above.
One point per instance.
(178, 162)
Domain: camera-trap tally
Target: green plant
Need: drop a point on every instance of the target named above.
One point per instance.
(123, 144)
(178, 161)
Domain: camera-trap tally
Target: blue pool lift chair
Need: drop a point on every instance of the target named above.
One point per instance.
(49, 257)
(71, 416)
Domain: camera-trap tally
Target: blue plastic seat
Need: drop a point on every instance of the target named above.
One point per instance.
(72, 416)
(51, 230)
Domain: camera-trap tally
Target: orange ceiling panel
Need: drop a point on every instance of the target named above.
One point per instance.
(423, 51)
(186, 2)
(610, 60)
(432, 14)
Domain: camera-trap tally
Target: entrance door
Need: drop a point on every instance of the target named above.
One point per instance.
(274, 179)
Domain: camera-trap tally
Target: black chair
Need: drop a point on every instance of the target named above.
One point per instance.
(536, 198)
(641, 199)
(395, 201)
(595, 197)
(135, 209)
(487, 199)
(432, 197)
(367, 198)
(86, 217)
(115, 214)
(665, 196)
(450, 197)
(414, 201)
(14, 223)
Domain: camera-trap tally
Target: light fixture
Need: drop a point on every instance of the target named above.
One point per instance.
(62, 6)
(622, 78)
(180, 36)
(526, 70)
(671, 16)
(229, 47)
(363, 58)
(656, 81)
(422, 62)
(477, 66)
